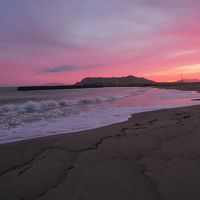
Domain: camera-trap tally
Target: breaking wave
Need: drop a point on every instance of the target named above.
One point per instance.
(32, 106)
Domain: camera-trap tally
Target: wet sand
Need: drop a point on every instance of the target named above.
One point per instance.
(153, 155)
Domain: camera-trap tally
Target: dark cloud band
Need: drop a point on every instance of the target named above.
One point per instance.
(66, 68)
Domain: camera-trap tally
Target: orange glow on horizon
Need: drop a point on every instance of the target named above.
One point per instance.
(176, 73)
(158, 41)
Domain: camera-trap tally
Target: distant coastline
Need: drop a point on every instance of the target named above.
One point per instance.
(129, 81)
(175, 85)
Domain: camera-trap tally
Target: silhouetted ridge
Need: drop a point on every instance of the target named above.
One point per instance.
(96, 82)
(114, 81)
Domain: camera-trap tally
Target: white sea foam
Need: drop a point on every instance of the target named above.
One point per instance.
(32, 106)
(107, 106)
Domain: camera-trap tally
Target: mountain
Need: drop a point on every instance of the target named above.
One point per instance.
(95, 82)
(114, 81)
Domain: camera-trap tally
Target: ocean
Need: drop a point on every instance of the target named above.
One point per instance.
(30, 114)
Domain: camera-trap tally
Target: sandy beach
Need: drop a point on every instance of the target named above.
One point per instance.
(99, 100)
(153, 155)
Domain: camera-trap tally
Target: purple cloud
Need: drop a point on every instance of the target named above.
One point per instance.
(66, 68)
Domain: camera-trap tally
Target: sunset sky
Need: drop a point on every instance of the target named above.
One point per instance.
(63, 41)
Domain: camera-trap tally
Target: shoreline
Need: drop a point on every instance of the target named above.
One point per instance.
(102, 125)
(151, 156)
(96, 128)
(143, 158)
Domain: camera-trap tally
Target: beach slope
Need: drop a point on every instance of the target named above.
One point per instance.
(152, 156)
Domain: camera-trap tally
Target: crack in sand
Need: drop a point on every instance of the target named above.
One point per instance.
(153, 184)
(27, 165)
(17, 167)
(42, 194)
(95, 146)
(123, 133)
(66, 172)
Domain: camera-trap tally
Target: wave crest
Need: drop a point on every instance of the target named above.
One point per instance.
(32, 106)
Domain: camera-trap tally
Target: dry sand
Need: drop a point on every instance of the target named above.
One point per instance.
(152, 156)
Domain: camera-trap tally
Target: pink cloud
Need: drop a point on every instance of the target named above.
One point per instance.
(129, 37)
